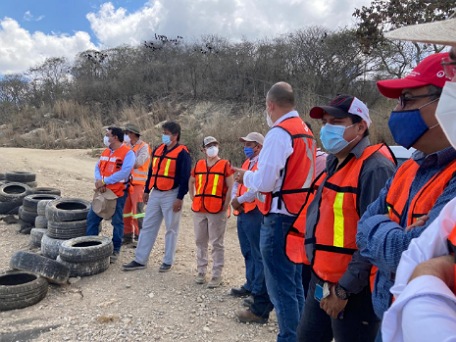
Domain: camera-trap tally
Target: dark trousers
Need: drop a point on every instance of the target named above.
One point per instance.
(359, 321)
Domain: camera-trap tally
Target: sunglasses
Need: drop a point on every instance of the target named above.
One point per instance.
(403, 99)
(449, 66)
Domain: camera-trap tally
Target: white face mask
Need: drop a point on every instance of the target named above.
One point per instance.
(106, 141)
(268, 119)
(446, 111)
(212, 151)
(127, 139)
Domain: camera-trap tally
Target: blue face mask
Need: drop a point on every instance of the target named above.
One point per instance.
(166, 139)
(248, 151)
(332, 138)
(407, 126)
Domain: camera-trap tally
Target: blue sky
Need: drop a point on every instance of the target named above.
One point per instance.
(33, 30)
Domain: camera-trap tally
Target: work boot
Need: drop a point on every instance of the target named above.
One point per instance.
(164, 268)
(247, 316)
(215, 282)
(127, 239)
(133, 266)
(240, 292)
(200, 278)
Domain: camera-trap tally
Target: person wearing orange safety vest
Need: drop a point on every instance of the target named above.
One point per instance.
(166, 186)
(134, 206)
(112, 172)
(210, 186)
(421, 186)
(286, 169)
(249, 220)
(355, 173)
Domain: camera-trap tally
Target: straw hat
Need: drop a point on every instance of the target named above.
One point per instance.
(104, 203)
(437, 32)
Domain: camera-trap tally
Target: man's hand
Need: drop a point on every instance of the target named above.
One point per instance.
(332, 305)
(235, 204)
(239, 174)
(99, 184)
(145, 197)
(440, 267)
(420, 221)
(177, 205)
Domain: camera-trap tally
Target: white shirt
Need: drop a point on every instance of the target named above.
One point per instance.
(276, 149)
(431, 243)
(249, 195)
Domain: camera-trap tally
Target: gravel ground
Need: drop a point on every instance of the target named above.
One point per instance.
(143, 305)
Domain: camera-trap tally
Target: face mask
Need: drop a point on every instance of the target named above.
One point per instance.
(126, 139)
(332, 138)
(268, 119)
(249, 152)
(166, 139)
(446, 112)
(106, 141)
(212, 151)
(407, 126)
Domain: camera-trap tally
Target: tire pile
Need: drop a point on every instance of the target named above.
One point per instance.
(28, 212)
(11, 197)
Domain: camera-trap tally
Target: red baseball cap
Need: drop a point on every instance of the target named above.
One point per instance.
(428, 72)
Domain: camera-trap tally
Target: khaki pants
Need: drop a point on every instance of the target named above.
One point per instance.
(210, 228)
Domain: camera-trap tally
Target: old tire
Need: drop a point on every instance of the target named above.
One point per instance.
(25, 227)
(50, 247)
(19, 289)
(41, 207)
(66, 230)
(86, 249)
(10, 207)
(14, 192)
(67, 209)
(36, 234)
(83, 269)
(27, 216)
(30, 202)
(20, 176)
(46, 191)
(41, 222)
(53, 271)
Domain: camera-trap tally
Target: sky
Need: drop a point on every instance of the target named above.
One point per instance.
(33, 30)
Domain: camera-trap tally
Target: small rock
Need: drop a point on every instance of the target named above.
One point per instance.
(151, 295)
(74, 280)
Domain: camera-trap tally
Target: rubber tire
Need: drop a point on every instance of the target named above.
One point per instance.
(53, 271)
(41, 207)
(20, 176)
(19, 289)
(83, 269)
(2, 176)
(86, 249)
(36, 234)
(66, 230)
(50, 247)
(32, 184)
(27, 216)
(41, 222)
(30, 202)
(13, 192)
(67, 209)
(47, 191)
(10, 207)
(25, 227)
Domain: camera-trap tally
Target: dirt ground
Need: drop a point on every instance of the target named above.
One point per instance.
(143, 305)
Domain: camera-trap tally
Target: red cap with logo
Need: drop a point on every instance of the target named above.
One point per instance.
(428, 72)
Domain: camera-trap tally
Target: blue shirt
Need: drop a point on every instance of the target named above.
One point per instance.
(382, 241)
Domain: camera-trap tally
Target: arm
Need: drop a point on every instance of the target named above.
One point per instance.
(184, 165)
(124, 172)
(191, 187)
(142, 156)
(229, 183)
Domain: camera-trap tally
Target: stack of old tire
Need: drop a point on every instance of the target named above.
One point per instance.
(36, 234)
(24, 177)
(28, 212)
(66, 219)
(11, 197)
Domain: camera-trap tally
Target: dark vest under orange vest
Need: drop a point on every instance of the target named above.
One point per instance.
(111, 163)
(164, 167)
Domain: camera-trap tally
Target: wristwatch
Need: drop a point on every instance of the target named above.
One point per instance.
(341, 293)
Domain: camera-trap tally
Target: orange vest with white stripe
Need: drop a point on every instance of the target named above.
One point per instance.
(424, 200)
(111, 163)
(210, 186)
(164, 167)
(299, 170)
(139, 175)
(242, 189)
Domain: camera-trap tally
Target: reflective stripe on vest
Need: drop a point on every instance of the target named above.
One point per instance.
(111, 163)
(164, 167)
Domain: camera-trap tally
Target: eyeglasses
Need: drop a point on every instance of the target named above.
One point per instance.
(403, 99)
(449, 66)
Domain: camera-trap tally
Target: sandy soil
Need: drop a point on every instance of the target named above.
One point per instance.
(143, 305)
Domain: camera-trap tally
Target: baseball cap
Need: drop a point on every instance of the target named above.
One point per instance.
(428, 72)
(341, 106)
(208, 140)
(253, 136)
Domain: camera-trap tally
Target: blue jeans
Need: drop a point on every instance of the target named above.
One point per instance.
(283, 278)
(93, 223)
(249, 228)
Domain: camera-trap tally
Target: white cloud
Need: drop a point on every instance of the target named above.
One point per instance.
(28, 16)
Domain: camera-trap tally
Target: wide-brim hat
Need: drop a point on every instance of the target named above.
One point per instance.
(129, 127)
(438, 32)
(104, 203)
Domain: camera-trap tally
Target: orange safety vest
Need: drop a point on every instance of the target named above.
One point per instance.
(111, 163)
(299, 171)
(242, 189)
(138, 175)
(164, 167)
(424, 200)
(210, 186)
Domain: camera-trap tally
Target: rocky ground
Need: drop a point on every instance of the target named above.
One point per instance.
(144, 305)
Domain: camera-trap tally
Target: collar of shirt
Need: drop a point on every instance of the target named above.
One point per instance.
(253, 160)
(137, 143)
(439, 158)
(291, 114)
(356, 151)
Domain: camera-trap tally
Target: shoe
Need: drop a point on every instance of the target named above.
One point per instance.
(215, 282)
(247, 316)
(200, 278)
(114, 257)
(164, 268)
(240, 292)
(248, 301)
(133, 266)
(127, 239)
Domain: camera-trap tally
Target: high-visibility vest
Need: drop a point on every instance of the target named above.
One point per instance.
(299, 171)
(138, 175)
(452, 249)
(164, 167)
(210, 186)
(242, 189)
(424, 200)
(111, 163)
